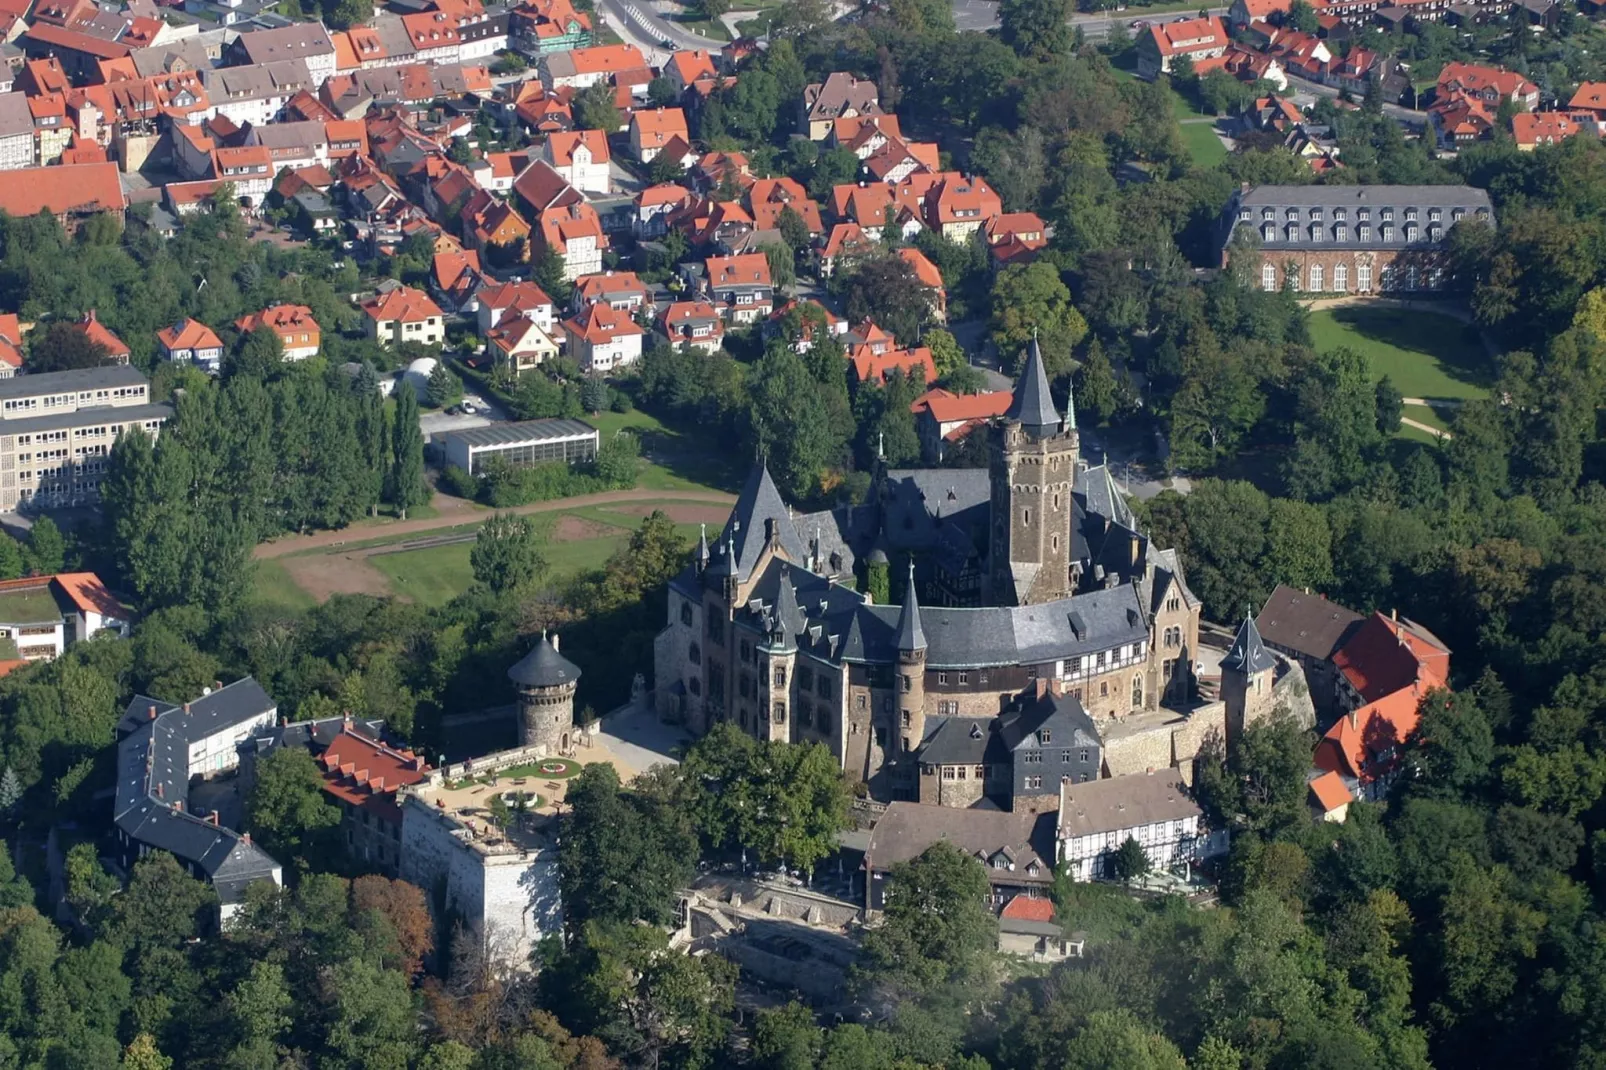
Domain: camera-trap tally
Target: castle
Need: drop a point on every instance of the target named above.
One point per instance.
(1029, 575)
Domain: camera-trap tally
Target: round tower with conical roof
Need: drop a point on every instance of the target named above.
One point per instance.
(911, 727)
(1248, 677)
(545, 681)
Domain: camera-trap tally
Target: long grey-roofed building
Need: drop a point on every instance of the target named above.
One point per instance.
(1350, 239)
(57, 432)
(160, 748)
(521, 444)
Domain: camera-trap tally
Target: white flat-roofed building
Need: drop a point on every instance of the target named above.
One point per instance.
(521, 444)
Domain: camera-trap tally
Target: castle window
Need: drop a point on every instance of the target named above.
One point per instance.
(1056, 500)
(1073, 666)
(1054, 543)
(863, 702)
(824, 688)
(695, 654)
(780, 676)
(1065, 756)
(1031, 757)
(1268, 277)
(747, 651)
(983, 678)
(695, 686)
(825, 719)
(1034, 782)
(1082, 757)
(685, 613)
(1173, 603)
(907, 683)
(950, 772)
(942, 678)
(981, 771)
(805, 678)
(716, 628)
(1104, 689)
(1025, 516)
(805, 715)
(744, 686)
(778, 713)
(964, 678)
(1045, 736)
(962, 772)
(1137, 692)
(908, 718)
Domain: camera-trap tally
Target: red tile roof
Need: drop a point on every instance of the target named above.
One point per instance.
(744, 269)
(599, 323)
(948, 407)
(90, 595)
(868, 365)
(188, 334)
(1330, 792)
(1385, 656)
(924, 269)
(1187, 35)
(367, 773)
(88, 187)
(403, 303)
(1026, 908)
(282, 320)
(98, 333)
(562, 145)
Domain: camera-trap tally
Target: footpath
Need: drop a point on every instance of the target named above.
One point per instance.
(453, 513)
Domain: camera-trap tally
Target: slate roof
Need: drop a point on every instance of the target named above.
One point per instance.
(1123, 802)
(907, 829)
(758, 507)
(1248, 655)
(153, 776)
(1064, 713)
(543, 666)
(910, 635)
(1033, 406)
(1305, 623)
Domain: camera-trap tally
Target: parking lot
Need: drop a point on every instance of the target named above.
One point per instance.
(487, 411)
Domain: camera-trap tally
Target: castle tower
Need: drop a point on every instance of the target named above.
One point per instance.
(911, 726)
(545, 681)
(1033, 472)
(1247, 674)
(777, 657)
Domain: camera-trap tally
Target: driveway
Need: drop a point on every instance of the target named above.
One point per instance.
(637, 24)
(982, 15)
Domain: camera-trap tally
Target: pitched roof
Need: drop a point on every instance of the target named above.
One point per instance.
(599, 286)
(282, 319)
(599, 59)
(1028, 908)
(1248, 655)
(1589, 95)
(907, 829)
(188, 334)
(1096, 807)
(403, 303)
(1186, 35)
(657, 125)
(1384, 656)
(924, 269)
(366, 772)
(759, 508)
(1364, 743)
(562, 144)
(745, 269)
(543, 666)
(1330, 792)
(101, 335)
(600, 323)
(451, 266)
(88, 187)
(518, 295)
(1033, 405)
(947, 407)
(910, 634)
(869, 366)
(692, 65)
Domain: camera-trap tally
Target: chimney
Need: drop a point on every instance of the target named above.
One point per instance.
(151, 710)
(1394, 614)
(1134, 542)
(212, 817)
(554, 642)
(161, 791)
(178, 804)
(186, 709)
(245, 837)
(1041, 686)
(217, 685)
(1355, 719)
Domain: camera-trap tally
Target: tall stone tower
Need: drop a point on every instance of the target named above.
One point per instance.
(911, 686)
(1248, 672)
(1033, 469)
(545, 681)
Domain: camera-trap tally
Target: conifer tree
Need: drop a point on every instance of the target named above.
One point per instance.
(407, 488)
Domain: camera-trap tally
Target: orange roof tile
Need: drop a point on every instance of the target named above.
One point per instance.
(403, 303)
(1026, 908)
(738, 270)
(562, 145)
(924, 269)
(868, 365)
(188, 334)
(88, 187)
(367, 773)
(599, 323)
(947, 407)
(282, 319)
(1330, 792)
(1384, 656)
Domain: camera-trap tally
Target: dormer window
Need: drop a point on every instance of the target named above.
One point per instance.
(1268, 233)
(1435, 233)
(1243, 215)
(1457, 213)
(1268, 213)
(1410, 213)
(1363, 232)
(1363, 213)
(1435, 214)
(1339, 214)
(1388, 213)
(1315, 213)
(1388, 234)
(1316, 233)
(1293, 213)
(1341, 233)
(1410, 232)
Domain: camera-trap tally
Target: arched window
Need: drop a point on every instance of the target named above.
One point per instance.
(1340, 278)
(1363, 278)
(695, 654)
(1137, 692)
(1316, 281)
(1268, 277)
(695, 686)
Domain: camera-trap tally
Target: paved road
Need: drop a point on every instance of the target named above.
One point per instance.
(1305, 93)
(636, 23)
(321, 540)
(983, 15)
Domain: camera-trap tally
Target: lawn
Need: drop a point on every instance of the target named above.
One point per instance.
(435, 575)
(1203, 144)
(271, 585)
(1425, 354)
(675, 461)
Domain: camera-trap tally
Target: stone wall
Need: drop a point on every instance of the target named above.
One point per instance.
(1168, 742)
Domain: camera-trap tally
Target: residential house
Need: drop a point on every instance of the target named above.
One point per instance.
(507, 300)
(455, 278)
(41, 616)
(869, 363)
(1014, 760)
(1532, 129)
(741, 286)
(845, 242)
(518, 344)
(564, 223)
(434, 37)
(72, 193)
(622, 291)
(248, 168)
(10, 345)
(692, 323)
(1015, 849)
(299, 334)
(1590, 97)
(193, 341)
(1014, 238)
(767, 199)
(651, 130)
(404, 315)
(1198, 39)
(841, 95)
(364, 775)
(581, 158)
(582, 68)
(1351, 239)
(539, 27)
(115, 349)
(654, 206)
(686, 67)
(498, 232)
(929, 277)
(256, 94)
(810, 313)
(16, 132)
(1311, 630)
(602, 340)
(308, 42)
(942, 418)
(957, 205)
(1096, 818)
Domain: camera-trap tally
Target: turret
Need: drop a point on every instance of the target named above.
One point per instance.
(545, 681)
(1248, 672)
(911, 726)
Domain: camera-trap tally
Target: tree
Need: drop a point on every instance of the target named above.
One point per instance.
(63, 346)
(10, 792)
(624, 857)
(1036, 28)
(1130, 861)
(507, 554)
(1301, 17)
(878, 583)
(594, 109)
(832, 168)
(1390, 406)
(163, 906)
(258, 354)
(1117, 1038)
(405, 913)
(142, 1054)
(287, 810)
(1031, 300)
(885, 289)
(786, 1038)
(782, 265)
(371, 1020)
(443, 389)
(1095, 392)
(47, 550)
(406, 488)
(594, 394)
(791, 425)
(937, 927)
(794, 229)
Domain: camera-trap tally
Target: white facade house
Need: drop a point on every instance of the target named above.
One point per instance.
(581, 157)
(16, 132)
(504, 886)
(1098, 816)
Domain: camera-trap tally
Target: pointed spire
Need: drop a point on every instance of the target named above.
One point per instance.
(1033, 406)
(1247, 655)
(700, 555)
(910, 635)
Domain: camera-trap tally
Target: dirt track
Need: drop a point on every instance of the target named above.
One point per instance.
(295, 544)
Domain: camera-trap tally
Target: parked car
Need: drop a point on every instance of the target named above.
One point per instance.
(468, 408)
